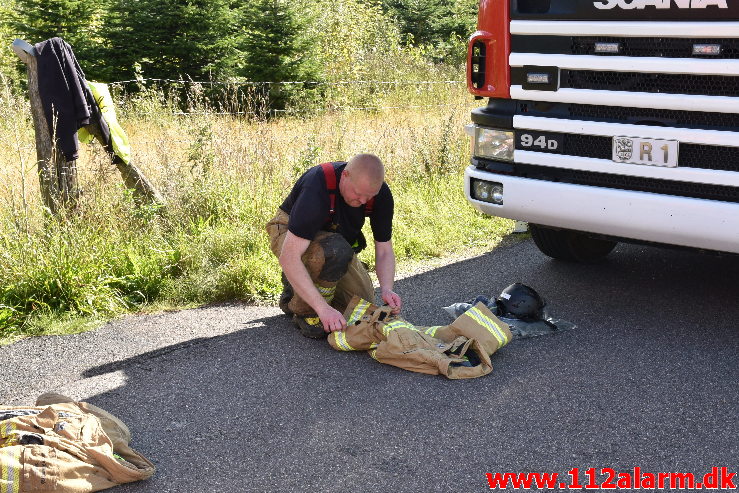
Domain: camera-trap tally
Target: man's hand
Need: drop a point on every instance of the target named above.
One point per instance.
(393, 300)
(385, 269)
(331, 319)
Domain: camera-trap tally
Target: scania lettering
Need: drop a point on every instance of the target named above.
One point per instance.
(660, 4)
(608, 121)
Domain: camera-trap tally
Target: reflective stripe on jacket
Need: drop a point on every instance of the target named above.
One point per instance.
(67, 446)
(459, 350)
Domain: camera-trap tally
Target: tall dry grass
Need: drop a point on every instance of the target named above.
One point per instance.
(223, 177)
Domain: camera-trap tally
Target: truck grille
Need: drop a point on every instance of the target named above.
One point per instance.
(628, 46)
(656, 47)
(715, 85)
(664, 187)
(595, 80)
(691, 155)
(691, 119)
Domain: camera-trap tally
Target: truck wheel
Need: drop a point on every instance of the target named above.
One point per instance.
(574, 246)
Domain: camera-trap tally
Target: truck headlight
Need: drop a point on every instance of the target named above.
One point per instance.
(487, 191)
(493, 144)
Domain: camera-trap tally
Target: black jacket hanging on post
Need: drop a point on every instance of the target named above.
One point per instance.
(67, 101)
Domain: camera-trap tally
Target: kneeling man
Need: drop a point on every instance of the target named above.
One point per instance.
(317, 234)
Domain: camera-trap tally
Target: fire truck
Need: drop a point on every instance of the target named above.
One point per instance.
(608, 121)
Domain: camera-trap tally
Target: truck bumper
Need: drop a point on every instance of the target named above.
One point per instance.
(690, 222)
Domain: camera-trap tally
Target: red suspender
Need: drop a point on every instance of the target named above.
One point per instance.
(330, 173)
(369, 206)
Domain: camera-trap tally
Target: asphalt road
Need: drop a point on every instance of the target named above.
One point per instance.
(232, 398)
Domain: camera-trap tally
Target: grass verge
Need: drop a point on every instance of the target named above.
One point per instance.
(223, 178)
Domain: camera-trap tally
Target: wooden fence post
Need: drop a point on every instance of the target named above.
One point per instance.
(132, 176)
(57, 177)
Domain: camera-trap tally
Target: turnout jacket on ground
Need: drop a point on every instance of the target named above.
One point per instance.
(459, 350)
(61, 445)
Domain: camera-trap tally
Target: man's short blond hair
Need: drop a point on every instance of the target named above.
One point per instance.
(367, 167)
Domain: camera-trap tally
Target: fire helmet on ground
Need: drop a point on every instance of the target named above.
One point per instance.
(522, 302)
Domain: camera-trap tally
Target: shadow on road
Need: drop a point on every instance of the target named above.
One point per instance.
(649, 378)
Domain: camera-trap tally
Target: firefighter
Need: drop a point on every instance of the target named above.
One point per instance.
(317, 233)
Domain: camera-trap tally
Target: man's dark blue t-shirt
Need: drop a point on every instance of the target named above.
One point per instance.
(308, 206)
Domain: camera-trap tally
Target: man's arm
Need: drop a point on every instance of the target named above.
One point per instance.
(385, 269)
(293, 249)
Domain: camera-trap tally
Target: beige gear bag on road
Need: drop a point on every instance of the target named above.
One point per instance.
(61, 445)
(459, 350)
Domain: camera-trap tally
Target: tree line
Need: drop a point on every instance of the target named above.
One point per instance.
(254, 40)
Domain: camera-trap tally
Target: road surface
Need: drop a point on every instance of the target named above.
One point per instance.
(231, 398)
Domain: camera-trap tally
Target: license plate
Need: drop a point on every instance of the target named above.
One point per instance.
(652, 152)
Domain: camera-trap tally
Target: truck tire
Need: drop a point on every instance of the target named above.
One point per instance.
(573, 246)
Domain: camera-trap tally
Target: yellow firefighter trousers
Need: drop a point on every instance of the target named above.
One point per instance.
(61, 445)
(459, 350)
(331, 263)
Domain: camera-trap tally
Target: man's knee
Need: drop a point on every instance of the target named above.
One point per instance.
(337, 254)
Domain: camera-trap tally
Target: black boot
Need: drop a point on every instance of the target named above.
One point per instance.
(310, 327)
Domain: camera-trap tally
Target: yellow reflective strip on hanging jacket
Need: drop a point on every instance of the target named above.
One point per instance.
(358, 312)
(486, 322)
(118, 137)
(373, 353)
(340, 337)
